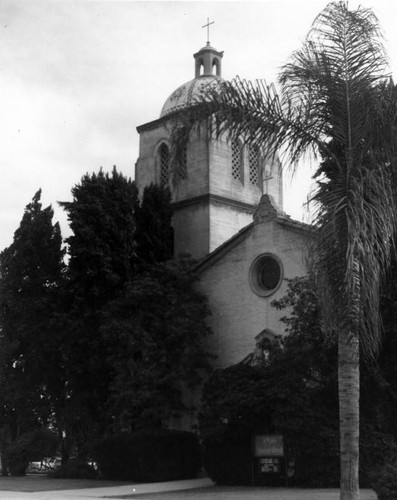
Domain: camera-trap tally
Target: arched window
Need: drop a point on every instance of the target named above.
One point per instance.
(183, 167)
(216, 64)
(254, 165)
(199, 67)
(164, 160)
(237, 164)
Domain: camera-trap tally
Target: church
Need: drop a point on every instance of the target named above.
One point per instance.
(228, 214)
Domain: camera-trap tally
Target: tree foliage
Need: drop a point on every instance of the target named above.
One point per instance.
(294, 394)
(31, 275)
(134, 323)
(110, 341)
(101, 260)
(102, 247)
(31, 446)
(149, 456)
(154, 233)
(335, 100)
(155, 334)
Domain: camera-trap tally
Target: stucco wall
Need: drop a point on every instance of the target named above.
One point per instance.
(238, 314)
(147, 168)
(191, 230)
(225, 221)
(205, 223)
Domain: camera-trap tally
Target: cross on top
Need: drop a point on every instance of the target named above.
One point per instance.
(208, 29)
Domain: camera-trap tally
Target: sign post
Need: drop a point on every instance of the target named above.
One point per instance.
(269, 459)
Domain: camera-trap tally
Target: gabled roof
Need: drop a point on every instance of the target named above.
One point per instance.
(219, 252)
(265, 212)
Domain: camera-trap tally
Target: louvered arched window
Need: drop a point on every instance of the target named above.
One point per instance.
(254, 165)
(237, 164)
(164, 160)
(182, 173)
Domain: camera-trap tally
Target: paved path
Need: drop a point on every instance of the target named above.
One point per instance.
(197, 489)
(241, 493)
(36, 488)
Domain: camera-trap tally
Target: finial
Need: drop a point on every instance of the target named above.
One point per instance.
(266, 210)
(208, 29)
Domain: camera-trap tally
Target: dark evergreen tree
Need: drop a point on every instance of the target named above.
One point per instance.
(154, 233)
(112, 340)
(102, 247)
(102, 255)
(155, 333)
(31, 273)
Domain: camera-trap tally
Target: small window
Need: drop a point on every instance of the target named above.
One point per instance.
(183, 167)
(236, 161)
(265, 275)
(216, 64)
(254, 165)
(164, 157)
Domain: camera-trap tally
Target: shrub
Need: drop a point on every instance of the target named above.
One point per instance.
(377, 449)
(228, 463)
(31, 446)
(74, 469)
(386, 484)
(17, 460)
(242, 401)
(316, 454)
(148, 456)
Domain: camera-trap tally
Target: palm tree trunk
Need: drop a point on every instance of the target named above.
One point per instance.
(349, 417)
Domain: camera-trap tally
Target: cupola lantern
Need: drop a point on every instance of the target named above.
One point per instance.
(208, 62)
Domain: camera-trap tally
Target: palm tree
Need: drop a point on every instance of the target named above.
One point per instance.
(336, 102)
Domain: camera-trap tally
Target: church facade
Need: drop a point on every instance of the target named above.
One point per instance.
(228, 214)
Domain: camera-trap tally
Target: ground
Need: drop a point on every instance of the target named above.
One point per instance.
(248, 493)
(40, 482)
(40, 487)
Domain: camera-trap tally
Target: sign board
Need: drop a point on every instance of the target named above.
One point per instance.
(268, 445)
(270, 465)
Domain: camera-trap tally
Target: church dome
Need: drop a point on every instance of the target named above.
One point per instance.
(188, 93)
(208, 66)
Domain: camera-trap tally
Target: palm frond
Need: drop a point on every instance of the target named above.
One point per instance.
(339, 77)
(251, 112)
(352, 250)
(335, 101)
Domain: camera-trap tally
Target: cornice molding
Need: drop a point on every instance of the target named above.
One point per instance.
(151, 125)
(159, 121)
(214, 198)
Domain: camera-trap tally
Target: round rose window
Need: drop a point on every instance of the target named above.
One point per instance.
(266, 274)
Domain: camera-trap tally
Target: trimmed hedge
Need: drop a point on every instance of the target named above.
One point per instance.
(148, 456)
(74, 469)
(228, 463)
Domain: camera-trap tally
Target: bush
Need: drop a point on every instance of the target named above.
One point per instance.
(228, 463)
(148, 456)
(376, 450)
(29, 447)
(242, 401)
(74, 469)
(386, 484)
(17, 460)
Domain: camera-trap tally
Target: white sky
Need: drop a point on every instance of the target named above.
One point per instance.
(78, 77)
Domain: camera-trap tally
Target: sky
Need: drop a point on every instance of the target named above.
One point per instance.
(78, 77)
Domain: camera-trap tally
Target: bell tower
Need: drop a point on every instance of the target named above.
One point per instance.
(206, 60)
(222, 183)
